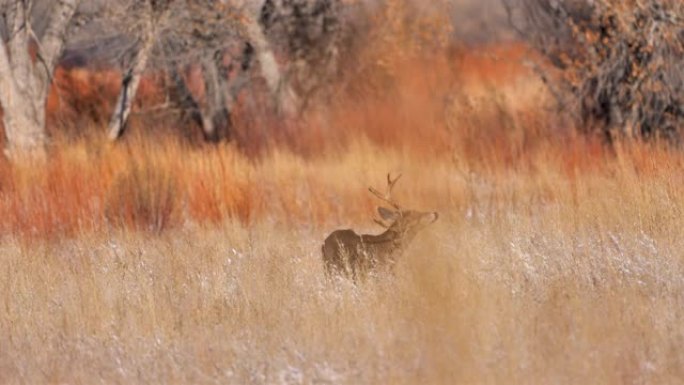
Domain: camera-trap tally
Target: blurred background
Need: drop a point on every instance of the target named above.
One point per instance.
(172, 167)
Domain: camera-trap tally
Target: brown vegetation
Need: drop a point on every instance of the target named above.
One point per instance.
(157, 259)
(555, 267)
(618, 61)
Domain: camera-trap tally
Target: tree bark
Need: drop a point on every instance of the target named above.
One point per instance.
(24, 82)
(130, 84)
(216, 117)
(285, 98)
(183, 97)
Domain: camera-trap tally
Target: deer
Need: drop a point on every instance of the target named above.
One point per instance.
(352, 255)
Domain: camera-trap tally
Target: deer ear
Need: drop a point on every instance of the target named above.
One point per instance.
(387, 214)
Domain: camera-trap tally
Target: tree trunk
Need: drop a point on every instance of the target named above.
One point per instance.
(184, 98)
(285, 98)
(24, 114)
(216, 118)
(24, 82)
(215, 115)
(129, 86)
(24, 121)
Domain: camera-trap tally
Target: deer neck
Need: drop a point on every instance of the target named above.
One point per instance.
(389, 237)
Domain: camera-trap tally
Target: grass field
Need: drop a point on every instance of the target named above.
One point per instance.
(556, 260)
(532, 275)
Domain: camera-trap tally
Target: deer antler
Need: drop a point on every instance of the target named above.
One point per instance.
(387, 197)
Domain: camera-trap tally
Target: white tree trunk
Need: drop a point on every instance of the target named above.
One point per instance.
(130, 84)
(24, 82)
(24, 122)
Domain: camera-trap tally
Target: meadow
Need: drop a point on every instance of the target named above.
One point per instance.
(556, 259)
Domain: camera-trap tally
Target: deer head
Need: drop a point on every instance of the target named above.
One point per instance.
(404, 224)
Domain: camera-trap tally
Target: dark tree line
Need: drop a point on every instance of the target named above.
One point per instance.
(619, 63)
(169, 36)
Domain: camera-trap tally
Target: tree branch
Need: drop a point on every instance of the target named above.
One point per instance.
(7, 85)
(55, 36)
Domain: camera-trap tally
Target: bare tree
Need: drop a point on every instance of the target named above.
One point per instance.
(172, 34)
(214, 116)
(24, 80)
(284, 97)
(223, 83)
(152, 16)
(309, 32)
(620, 61)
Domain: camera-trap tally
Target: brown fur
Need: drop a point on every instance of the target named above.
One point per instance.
(349, 254)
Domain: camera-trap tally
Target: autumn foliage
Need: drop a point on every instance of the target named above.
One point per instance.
(160, 258)
(617, 63)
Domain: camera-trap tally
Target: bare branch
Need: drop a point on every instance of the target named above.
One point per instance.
(54, 39)
(619, 61)
(7, 84)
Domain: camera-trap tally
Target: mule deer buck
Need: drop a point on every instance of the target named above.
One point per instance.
(349, 254)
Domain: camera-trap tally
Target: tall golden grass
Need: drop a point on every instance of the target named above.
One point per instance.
(555, 259)
(165, 264)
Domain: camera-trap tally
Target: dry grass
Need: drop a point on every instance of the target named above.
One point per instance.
(555, 260)
(534, 274)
